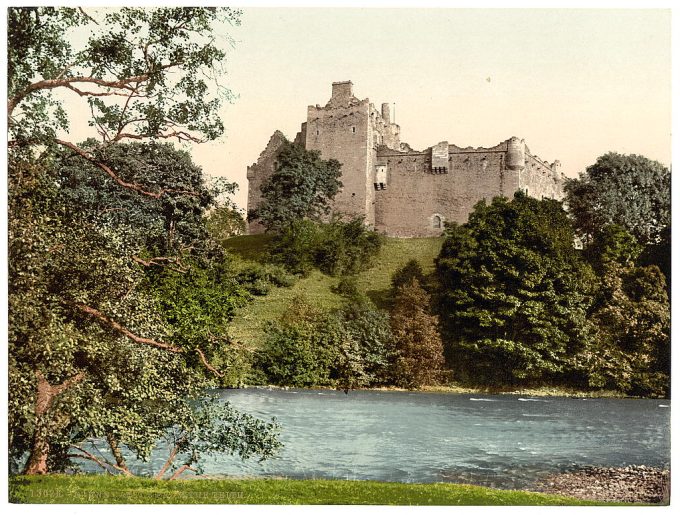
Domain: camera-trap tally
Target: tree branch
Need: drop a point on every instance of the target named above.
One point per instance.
(129, 185)
(126, 332)
(157, 261)
(103, 463)
(124, 83)
(208, 365)
(138, 339)
(180, 470)
(171, 458)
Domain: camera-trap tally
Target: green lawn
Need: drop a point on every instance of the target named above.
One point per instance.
(249, 322)
(99, 489)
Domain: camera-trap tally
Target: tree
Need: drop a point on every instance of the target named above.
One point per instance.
(631, 350)
(301, 188)
(224, 222)
(419, 350)
(514, 294)
(404, 275)
(629, 190)
(94, 351)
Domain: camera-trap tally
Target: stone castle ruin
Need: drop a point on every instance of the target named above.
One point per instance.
(400, 191)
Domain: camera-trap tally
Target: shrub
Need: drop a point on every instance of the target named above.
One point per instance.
(336, 248)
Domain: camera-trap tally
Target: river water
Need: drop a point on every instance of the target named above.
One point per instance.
(503, 441)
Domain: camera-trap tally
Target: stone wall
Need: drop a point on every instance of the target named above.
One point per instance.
(259, 172)
(420, 196)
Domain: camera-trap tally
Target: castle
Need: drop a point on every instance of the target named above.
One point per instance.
(400, 191)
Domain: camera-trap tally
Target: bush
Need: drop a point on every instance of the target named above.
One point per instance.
(336, 248)
(346, 348)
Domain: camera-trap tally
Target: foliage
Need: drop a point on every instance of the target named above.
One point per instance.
(514, 293)
(404, 275)
(225, 222)
(347, 348)
(301, 188)
(628, 190)
(143, 72)
(169, 224)
(419, 350)
(99, 349)
(336, 248)
(631, 351)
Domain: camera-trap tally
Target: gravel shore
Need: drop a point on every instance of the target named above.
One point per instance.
(633, 484)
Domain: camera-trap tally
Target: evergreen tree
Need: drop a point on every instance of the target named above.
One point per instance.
(419, 351)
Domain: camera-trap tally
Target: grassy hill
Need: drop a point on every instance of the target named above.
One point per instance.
(248, 325)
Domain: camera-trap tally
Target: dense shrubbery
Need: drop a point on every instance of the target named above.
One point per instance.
(520, 305)
(347, 348)
(336, 248)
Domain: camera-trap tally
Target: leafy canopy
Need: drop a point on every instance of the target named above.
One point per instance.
(514, 292)
(115, 295)
(301, 188)
(628, 190)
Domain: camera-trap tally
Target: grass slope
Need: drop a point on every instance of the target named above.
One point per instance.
(249, 322)
(100, 489)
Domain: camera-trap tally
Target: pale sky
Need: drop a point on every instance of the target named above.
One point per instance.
(574, 84)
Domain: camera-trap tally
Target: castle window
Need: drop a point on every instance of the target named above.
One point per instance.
(354, 129)
(317, 132)
(436, 222)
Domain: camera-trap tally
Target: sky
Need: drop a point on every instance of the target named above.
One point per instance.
(573, 83)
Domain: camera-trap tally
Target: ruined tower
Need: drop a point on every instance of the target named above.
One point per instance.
(400, 191)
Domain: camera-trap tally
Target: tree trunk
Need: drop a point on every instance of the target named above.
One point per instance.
(45, 395)
(115, 450)
(37, 462)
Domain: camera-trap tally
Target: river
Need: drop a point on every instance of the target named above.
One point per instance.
(503, 441)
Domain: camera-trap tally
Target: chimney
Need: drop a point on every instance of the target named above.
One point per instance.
(386, 112)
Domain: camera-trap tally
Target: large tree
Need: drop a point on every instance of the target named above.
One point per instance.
(629, 190)
(302, 187)
(96, 347)
(631, 314)
(514, 293)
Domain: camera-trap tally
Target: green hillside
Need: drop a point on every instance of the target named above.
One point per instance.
(248, 325)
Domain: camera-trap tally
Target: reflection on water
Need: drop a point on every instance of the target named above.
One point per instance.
(501, 441)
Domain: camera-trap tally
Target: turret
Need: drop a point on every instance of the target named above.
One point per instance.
(385, 110)
(556, 168)
(342, 89)
(515, 158)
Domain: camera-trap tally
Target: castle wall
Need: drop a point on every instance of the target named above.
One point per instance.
(258, 173)
(540, 179)
(417, 202)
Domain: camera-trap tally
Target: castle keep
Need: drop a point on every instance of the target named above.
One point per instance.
(401, 191)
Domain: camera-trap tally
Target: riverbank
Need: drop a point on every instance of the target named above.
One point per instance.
(632, 484)
(100, 489)
(543, 391)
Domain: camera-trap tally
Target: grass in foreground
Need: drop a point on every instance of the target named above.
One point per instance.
(96, 489)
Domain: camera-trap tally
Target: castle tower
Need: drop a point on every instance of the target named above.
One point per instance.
(350, 130)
